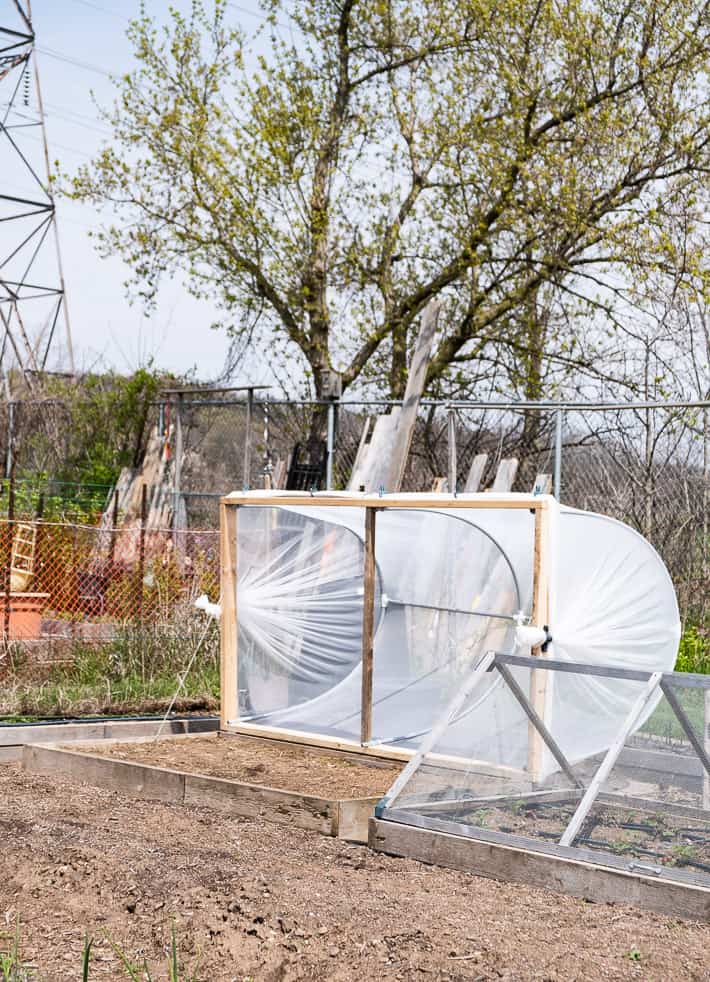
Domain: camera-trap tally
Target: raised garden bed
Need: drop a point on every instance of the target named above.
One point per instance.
(253, 778)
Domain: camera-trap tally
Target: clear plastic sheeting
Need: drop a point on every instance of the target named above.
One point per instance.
(452, 583)
(446, 593)
(299, 604)
(613, 604)
(643, 804)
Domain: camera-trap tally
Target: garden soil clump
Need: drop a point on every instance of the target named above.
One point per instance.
(258, 762)
(254, 900)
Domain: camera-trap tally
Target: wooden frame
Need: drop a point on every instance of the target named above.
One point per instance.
(595, 877)
(342, 818)
(370, 503)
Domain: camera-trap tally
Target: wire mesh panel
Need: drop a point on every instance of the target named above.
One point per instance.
(642, 802)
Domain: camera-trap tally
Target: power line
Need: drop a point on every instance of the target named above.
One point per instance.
(72, 112)
(101, 130)
(61, 146)
(85, 65)
(103, 10)
(64, 116)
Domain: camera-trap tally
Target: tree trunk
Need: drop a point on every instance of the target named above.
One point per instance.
(398, 363)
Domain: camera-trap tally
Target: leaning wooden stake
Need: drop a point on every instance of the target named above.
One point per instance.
(229, 701)
(368, 627)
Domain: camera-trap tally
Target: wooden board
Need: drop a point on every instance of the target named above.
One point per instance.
(598, 883)
(318, 741)
(330, 499)
(372, 473)
(542, 484)
(139, 780)
(475, 473)
(540, 616)
(368, 627)
(381, 752)
(267, 804)
(357, 472)
(16, 736)
(505, 475)
(345, 819)
(229, 701)
(416, 380)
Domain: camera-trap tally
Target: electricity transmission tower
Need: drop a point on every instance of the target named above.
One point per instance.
(34, 317)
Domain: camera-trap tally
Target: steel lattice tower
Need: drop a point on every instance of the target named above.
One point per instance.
(33, 304)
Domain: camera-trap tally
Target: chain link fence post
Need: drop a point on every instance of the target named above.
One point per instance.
(330, 447)
(178, 468)
(451, 439)
(557, 473)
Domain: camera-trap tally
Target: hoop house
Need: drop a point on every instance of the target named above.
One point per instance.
(356, 620)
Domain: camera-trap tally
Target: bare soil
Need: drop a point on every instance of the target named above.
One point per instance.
(259, 762)
(256, 901)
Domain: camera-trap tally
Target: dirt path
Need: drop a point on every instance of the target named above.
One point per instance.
(257, 902)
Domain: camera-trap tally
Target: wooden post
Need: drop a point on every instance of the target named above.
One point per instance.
(540, 616)
(229, 697)
(114, 526)
(141, 551)
(8, 562)
(368, 627)
(706, 742)
(246, 479)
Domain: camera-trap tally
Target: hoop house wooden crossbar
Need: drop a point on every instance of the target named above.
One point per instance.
(292, 564)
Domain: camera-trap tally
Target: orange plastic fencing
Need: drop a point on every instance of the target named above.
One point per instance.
(77, 581)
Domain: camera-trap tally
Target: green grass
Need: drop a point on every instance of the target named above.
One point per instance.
(135, 673)
(13, 969)
(694, 657)
(663, 722)
(693, 651)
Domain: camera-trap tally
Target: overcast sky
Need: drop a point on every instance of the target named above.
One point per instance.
(79, 42)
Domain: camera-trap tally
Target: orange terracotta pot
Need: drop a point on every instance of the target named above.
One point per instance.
(26, 611)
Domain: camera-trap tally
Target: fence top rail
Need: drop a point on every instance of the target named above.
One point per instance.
(206, 390)
(346, 499)
(686, 680)
(546, 405)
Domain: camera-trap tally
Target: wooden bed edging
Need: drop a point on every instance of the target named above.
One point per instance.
(343, 819)
(597, 883)
(14, 736)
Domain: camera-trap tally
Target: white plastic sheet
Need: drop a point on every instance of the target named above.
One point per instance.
(446, 593)
(449, 586)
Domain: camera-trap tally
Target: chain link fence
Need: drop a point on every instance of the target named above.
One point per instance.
(645, 464)
(75, 582)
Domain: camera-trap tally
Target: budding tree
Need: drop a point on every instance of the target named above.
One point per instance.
(362, 157)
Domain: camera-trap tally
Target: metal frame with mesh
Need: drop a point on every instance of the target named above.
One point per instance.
(655, 812)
